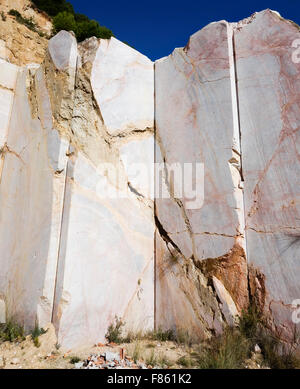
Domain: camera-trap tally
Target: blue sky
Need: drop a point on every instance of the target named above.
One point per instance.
(155, 27)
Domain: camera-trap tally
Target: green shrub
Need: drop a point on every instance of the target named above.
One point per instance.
(158, 335)
(64, 21)
(162, 335)
(82, 26)
(74, 360)
(249, 322)
(114, 331)
(53, 7)
(87, 29)
(14, 12)
(29, 23)
(81, 18)
(35, 333)
(64, 18)
(11, 332)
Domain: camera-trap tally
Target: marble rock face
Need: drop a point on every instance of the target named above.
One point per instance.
(105, 264)
(63, 50)
(71, 251)
(230, 100)
(8, 77)
(84, 234)
(197, 122)
(269, 105)
(123, 85)
(105, 261)
(31, 194)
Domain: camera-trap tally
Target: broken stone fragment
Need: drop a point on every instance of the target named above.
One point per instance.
(79, 365)
(8, 75)
(123, 83)
(228, 306)
(257, 349)
(8, 78)
(2, 312)
(109, 356)
(63, 50)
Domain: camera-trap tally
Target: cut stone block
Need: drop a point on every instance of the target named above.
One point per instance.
(63, 50)
(8, 75)
(269, 103)
(228, 306)
(197, 122)
(31, 197)
(105, 255)
(123, 85)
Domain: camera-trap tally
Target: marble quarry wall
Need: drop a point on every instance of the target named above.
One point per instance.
(84, 235)
(197, 121)
(77, 241)
(231, 100)
(268, 77)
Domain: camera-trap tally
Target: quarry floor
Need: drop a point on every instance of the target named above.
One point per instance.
(142, 354)
(25, 355)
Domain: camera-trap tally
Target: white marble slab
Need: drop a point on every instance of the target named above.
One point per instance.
(123, 84)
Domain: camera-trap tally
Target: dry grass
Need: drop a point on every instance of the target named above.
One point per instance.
(236, 345)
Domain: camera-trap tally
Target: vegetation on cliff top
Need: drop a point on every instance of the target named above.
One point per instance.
(29, 23)
(65, 18)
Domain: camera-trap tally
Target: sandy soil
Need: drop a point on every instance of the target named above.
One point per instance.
(25, 355)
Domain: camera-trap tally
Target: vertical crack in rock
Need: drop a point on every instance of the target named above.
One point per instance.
(235, 94)
(133, 190)
(237, 126)
(40, 106)
(31, 93)
(60, 240)
(163, 233)
(5, 149)
(170, 188)
(49, 87)
(257, 288)
(9, 74)
(154, 200)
